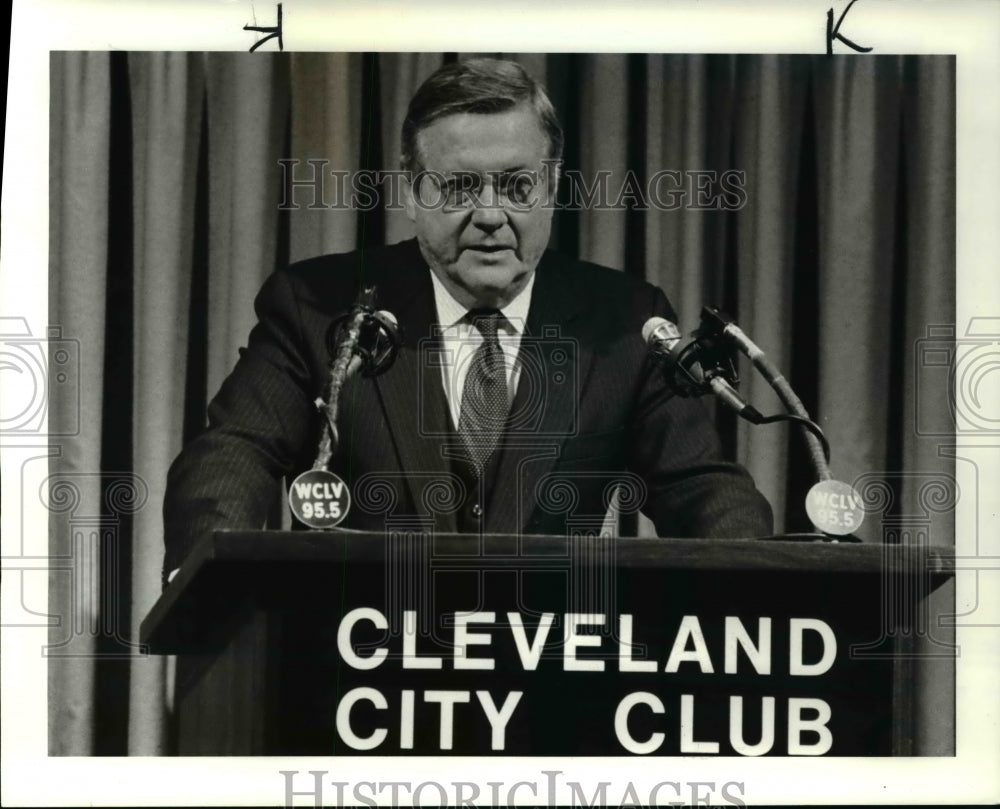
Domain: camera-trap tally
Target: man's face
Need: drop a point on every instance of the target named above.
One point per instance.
(486, 245)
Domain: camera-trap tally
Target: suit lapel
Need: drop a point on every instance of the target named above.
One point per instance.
(556, 358)
(410, 391)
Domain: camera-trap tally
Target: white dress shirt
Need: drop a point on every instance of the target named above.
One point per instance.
(460, 339)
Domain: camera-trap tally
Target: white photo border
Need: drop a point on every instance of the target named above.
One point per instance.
(969, 30)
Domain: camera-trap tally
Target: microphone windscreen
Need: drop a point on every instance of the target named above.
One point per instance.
(659, 329)
(652, 325)
(379, 341)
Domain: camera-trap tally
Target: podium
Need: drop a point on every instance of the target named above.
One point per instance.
(410, 643)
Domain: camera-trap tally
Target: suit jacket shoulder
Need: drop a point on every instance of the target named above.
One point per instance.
(331, 282)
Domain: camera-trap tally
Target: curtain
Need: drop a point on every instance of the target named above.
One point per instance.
(170, 186)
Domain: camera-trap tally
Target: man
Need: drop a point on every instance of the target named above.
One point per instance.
(522, 399)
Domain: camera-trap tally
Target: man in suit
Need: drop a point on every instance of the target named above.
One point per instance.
(522, 400)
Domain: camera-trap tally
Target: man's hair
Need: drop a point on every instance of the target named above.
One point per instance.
(477, 86)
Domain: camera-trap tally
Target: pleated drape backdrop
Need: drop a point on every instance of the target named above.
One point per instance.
(166, 217)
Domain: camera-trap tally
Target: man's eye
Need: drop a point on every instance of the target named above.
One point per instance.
(520, 188)
(463, 189)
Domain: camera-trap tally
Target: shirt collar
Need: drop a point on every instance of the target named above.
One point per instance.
(450, 312)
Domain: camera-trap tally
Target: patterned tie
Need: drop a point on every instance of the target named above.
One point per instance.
(484, 397)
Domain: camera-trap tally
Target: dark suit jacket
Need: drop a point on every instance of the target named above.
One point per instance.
(591, 414)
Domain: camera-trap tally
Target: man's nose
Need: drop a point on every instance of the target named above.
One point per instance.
(488, 213)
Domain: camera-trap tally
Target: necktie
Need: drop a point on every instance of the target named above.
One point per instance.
(484, 397)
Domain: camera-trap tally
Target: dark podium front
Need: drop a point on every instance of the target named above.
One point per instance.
(413, 644)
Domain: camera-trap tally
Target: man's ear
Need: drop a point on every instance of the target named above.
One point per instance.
(552, 167)
(409, 204)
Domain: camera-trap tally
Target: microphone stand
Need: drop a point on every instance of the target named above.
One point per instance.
(793, 404)
(340, 369)
(715, 323)
(361, 339)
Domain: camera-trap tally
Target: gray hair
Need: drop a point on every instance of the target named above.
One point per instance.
(477, 86)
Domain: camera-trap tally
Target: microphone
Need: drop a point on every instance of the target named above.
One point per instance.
(378, 342)
(374, 349)
(694, 371)
(661, 335)
(373, 339)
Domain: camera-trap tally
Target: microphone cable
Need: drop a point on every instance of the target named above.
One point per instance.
(714, 322)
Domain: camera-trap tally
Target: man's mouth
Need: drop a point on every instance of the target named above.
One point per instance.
(489, 248)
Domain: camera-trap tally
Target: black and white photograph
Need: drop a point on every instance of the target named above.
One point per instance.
(621, 416)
